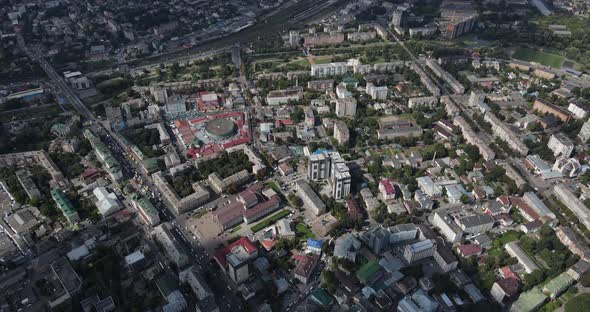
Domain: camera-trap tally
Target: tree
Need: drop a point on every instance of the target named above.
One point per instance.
(533, 279)
(472, 152)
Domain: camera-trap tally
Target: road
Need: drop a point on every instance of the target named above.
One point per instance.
(225, 298)
(60, 84)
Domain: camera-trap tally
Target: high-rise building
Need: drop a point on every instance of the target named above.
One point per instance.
(397, 18)
(346, 107)
(340, 179)
(318, 167)
(330, 166)
(560, 144)
(584, 133)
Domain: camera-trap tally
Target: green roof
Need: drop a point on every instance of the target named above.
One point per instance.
(529, 301)
(367, 270)
(145, 204)
(558, 285)
(63, 203)
(322, 297)
(350, 80)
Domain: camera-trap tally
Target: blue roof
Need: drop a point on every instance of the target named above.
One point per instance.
(314, 243)
(321, 150)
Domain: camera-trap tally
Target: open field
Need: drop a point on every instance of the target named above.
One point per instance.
(531, 55)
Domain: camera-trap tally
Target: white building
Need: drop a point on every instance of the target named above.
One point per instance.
(527, 263)
(107, 202)
(341, 133)
(447, 227)
(565, 195)
(419, 250)
(310, 199)
(428, 186)
(345, 107)
(422, 102)
(377, 93)
(584, 133)
(578, 108)
(560, 144)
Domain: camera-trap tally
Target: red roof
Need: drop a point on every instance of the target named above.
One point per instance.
(511, 286)
(305, 265)
(354, 210)
(268, 244)
(469, 250)
(389, 188)
(524, 207)
(90, 172)
(507, 273)
(244, 242)
(504, 200)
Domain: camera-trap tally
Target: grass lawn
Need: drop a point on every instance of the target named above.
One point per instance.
(274, 186)
(578, 303)
(270, 220)
(303, 231)
(237, 228)
(531, 55)
(324, 59)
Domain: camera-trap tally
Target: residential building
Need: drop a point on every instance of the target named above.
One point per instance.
(419, 250)
(341, 133)
(584, 133)
(330, 69)
(545, 107)
(402, 232)
(146, 210)
(427, 185)
(568, 238)
(65, 206)
(278, 97)
(235, 180)
(422, 102)
(388, 189)
(529, 301)
(345, 107)
(561, 145)
(171, 245)
(318, 166)
(347, 246)
(180, 205)
(305, 266)
(310, 199)
(538, 206)
(476, 223)
(473, 138)
(107, 202)
(235, 259)
(419, 301)
(425, 79)
(376, 93)
(204, 295)
(321, 85)
(505, 290)
(573, 203)
(455, 85)
(505, 133)
(515, 251)
(579, 108)
(393, 126)
(447, 227)
(558, 285)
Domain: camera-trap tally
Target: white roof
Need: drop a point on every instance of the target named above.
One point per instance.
(134, 257)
